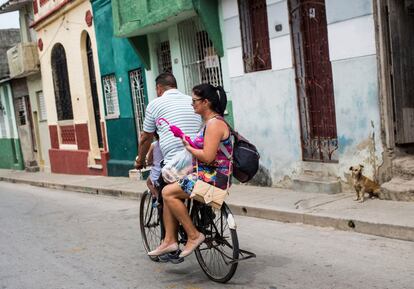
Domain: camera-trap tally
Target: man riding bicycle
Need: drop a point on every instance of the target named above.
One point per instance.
(175, 106)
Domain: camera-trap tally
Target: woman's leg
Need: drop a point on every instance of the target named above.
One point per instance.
(173, 196)
(170, 225)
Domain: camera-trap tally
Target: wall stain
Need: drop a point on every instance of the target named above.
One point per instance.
(365, 144)
(262, 177)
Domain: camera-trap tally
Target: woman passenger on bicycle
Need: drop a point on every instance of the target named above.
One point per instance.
(213, 167)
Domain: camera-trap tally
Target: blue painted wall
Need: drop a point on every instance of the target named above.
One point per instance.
(116, 55)
(357, 113)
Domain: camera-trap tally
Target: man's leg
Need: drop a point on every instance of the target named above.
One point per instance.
(152, 188)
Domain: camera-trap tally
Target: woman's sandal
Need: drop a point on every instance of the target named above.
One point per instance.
(192, 245)
(158, 252)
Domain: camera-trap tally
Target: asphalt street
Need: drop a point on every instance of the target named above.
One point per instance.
(52, 239)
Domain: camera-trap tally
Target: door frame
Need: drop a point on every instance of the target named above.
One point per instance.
(385, 85)
(94, 90)
(323, 146)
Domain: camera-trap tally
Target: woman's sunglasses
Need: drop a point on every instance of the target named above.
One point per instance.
(194, 100)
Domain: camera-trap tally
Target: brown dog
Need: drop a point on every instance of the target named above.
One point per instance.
(363, 184)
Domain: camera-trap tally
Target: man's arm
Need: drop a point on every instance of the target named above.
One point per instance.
(145, 141)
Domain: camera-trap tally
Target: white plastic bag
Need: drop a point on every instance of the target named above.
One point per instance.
(180, 166)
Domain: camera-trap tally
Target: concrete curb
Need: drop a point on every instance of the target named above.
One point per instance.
(352, 225)
(75, 188)
(359, 226)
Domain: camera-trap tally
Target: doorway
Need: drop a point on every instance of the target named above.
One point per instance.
(313, 80)
(94, 91)
(396, 19)
(136, 80)
(201, 64)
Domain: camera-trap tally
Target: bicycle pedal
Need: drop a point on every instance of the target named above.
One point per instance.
(172, 257)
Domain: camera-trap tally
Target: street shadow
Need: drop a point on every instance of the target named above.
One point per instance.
(189, 272)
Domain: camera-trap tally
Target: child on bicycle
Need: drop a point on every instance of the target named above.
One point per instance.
(154, 158)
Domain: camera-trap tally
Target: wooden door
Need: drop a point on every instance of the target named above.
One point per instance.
(401, 27)
(313, 80)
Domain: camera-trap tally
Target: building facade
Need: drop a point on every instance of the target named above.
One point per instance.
(303, 76)
(10, 149)
(182, 37)
(306, 74)
(27, 90)
(124, 91)
(70, 78)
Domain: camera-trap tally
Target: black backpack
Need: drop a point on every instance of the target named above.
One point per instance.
(245, 157)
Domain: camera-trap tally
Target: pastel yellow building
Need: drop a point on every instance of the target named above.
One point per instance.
(70, 73)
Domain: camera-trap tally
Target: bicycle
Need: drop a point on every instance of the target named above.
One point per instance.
(219, 254)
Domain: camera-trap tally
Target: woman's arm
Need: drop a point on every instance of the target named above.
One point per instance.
(215, 132)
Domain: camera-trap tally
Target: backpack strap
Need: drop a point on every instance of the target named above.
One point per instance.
(231, 136)
(224, 150)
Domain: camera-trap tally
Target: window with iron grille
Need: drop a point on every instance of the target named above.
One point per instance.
(61, 85)
(67, 134)
(164, 57)
(138, 96)
(201, 64)
(255, 35)
(41, 105)
(111, 95)
(211, 64)
(21, 111)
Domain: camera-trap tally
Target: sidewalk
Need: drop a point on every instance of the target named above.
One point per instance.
(376, 217)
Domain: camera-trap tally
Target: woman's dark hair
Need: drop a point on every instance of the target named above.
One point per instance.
(215, 95)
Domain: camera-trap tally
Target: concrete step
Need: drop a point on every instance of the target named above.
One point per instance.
(31, 166)
(403, 167)
(95, 167)
(98, 160)
(398, 189)
(32, 169)
(316, 183)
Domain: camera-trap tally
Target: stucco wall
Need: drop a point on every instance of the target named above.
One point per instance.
(10, 149)
(117, 56)
(8, 126)
(265, 103)
(34, 85)
(355, 78)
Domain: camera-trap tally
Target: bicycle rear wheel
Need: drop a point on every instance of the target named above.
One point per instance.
(218, 254)
(150, 224)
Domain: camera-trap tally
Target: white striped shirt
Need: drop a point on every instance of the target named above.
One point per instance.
(176, 108)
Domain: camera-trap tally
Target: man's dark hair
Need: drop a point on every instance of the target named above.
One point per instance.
(166, 79)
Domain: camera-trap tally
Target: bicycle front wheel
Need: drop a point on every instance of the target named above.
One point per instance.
(218, 254)
(150, 224)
